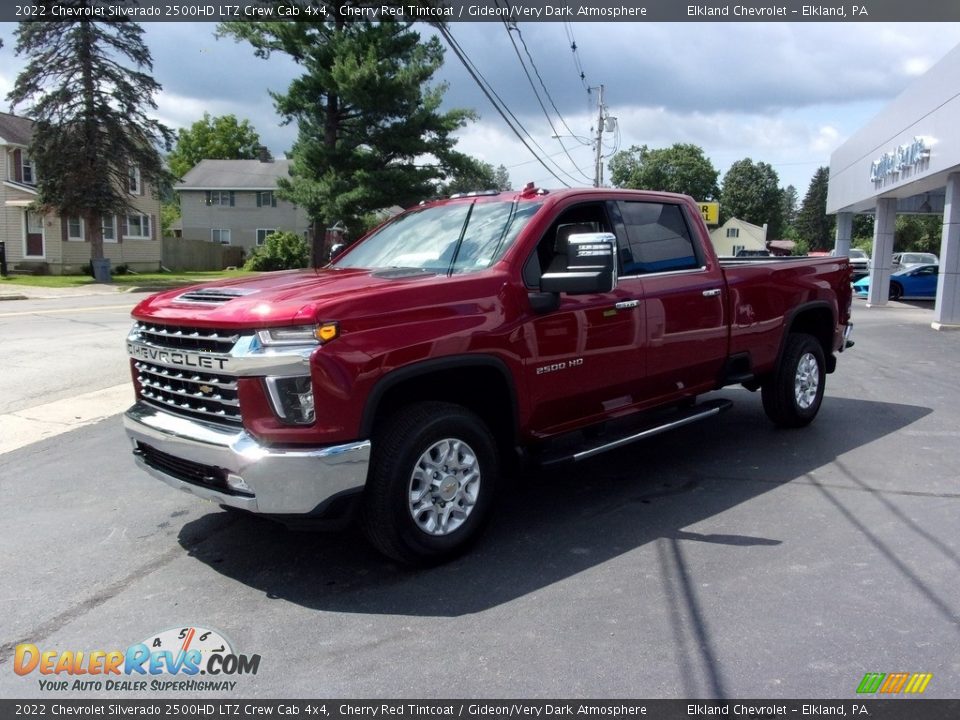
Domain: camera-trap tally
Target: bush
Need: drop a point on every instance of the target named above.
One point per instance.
(280, 251)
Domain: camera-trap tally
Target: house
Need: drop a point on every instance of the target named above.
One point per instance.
(55, 244)
(234, 202)
(736, 235)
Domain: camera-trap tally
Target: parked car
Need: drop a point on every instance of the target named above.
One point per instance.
(908, 259)
(859, 261)
(915, 282)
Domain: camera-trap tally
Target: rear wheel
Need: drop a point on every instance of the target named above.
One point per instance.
(896, 291)
(792, 395)
(431, 483)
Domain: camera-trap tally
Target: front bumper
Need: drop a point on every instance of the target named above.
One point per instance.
(231, 468)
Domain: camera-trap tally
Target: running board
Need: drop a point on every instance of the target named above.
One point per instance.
(676, 420)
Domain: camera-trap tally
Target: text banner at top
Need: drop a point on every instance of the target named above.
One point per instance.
(484, 11)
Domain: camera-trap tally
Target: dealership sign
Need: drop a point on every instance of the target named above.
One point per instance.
(904, 157)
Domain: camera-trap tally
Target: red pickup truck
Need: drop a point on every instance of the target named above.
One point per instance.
(404, 381)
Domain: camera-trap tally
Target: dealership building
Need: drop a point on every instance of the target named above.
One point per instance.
(906, 160)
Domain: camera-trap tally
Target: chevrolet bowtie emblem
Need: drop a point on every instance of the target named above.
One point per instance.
(206, 389)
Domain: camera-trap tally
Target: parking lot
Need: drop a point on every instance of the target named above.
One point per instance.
(727, 559)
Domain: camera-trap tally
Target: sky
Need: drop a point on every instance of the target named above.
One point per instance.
(787, 94)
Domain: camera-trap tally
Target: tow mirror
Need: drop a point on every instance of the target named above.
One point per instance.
(591, 266)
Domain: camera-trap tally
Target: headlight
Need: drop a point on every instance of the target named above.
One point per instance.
(292, 399)
(299, 335)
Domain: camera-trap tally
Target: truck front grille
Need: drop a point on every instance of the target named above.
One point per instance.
(204, 396)
(178, 337)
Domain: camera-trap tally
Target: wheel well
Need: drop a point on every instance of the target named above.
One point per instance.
(819, 322)
(483, 389)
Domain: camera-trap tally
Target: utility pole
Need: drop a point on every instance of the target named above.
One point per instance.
(598, 164)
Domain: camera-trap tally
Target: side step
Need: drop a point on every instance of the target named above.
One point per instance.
(661, 424)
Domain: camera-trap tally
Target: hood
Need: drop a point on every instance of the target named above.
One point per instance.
(275, 298)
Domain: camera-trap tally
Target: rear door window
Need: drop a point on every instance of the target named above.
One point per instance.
(658, 239)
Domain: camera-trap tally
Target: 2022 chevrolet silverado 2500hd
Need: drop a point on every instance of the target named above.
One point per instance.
(466, 334)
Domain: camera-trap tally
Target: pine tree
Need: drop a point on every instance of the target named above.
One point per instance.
(366, 114)
(90, 113)
(813, 225)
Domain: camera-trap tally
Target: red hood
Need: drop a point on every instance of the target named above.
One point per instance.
(276, 298)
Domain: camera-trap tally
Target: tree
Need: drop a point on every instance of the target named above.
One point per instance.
(751, 192)
(366, 115)
(813, 224)
(680, 168)
(92, 129)
(789, 206)
(471, 174)
(213, 138)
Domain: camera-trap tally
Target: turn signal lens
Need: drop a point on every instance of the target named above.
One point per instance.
(327, 332)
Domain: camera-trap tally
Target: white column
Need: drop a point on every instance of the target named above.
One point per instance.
(844, 234)
(946, 313)
(882, 254)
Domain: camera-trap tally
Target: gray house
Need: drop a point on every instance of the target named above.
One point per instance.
(234, 202)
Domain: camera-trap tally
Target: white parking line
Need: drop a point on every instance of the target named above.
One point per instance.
(25, 427)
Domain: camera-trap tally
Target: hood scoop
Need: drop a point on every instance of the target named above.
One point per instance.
(214, 296)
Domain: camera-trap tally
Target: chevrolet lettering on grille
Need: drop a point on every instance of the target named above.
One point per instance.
(176, 358)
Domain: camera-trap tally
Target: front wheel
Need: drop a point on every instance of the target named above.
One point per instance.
(431, 483)
(792, 395)
(896, 291)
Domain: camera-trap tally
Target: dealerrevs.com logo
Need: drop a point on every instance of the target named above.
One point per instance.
(172, 660)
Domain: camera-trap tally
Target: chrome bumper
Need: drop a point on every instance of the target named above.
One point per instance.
(231, 468)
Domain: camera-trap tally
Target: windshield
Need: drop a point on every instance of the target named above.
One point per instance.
(454, 238)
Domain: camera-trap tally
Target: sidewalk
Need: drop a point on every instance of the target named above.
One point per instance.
(24, 292)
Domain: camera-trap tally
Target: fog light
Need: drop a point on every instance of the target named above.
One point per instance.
(292, 399)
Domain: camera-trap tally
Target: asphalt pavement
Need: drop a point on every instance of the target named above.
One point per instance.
(726, 559)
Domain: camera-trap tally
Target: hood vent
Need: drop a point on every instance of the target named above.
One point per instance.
(213, 296)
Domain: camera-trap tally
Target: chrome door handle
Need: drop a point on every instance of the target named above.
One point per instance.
(626, 304)
(711, 293)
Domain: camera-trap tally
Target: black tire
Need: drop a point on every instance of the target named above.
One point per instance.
(412, 439)
(896, 291)
(789, 398)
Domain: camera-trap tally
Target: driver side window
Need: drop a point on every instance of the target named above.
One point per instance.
(551, 253)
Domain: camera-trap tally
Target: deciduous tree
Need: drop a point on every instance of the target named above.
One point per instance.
(751, 192)
(213, 138)
(680, 168)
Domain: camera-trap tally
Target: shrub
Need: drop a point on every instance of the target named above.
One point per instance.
(280, 251)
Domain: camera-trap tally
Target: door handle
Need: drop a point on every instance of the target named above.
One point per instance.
(713, 292)
(626, 304)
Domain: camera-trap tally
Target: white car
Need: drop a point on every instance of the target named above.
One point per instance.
(908, 259)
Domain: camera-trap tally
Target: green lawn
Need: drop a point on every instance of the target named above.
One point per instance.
(158, 280)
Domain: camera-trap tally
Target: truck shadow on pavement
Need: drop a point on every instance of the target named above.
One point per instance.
(551, 525)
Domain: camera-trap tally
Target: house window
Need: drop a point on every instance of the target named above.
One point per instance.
(262, 234)
(220, 235)
(138, 227)
(108, 226)
(74, 228)
(737, 249)
(733, 232)
(220, 197)
(266, 198)
(133, 184)
(27, 171)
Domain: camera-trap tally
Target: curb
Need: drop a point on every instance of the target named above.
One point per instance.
(13, 297)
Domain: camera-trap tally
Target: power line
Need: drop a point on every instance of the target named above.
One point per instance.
(499, 105)
(536, 94)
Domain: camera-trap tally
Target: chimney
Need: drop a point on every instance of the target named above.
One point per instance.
(263, 153)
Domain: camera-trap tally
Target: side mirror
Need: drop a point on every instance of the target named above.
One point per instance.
(335, 250)
(591, 266)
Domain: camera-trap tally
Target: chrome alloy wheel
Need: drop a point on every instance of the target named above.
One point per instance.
(444, 486)
(806, 381)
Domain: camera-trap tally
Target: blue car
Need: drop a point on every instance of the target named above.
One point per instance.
(915, 282)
